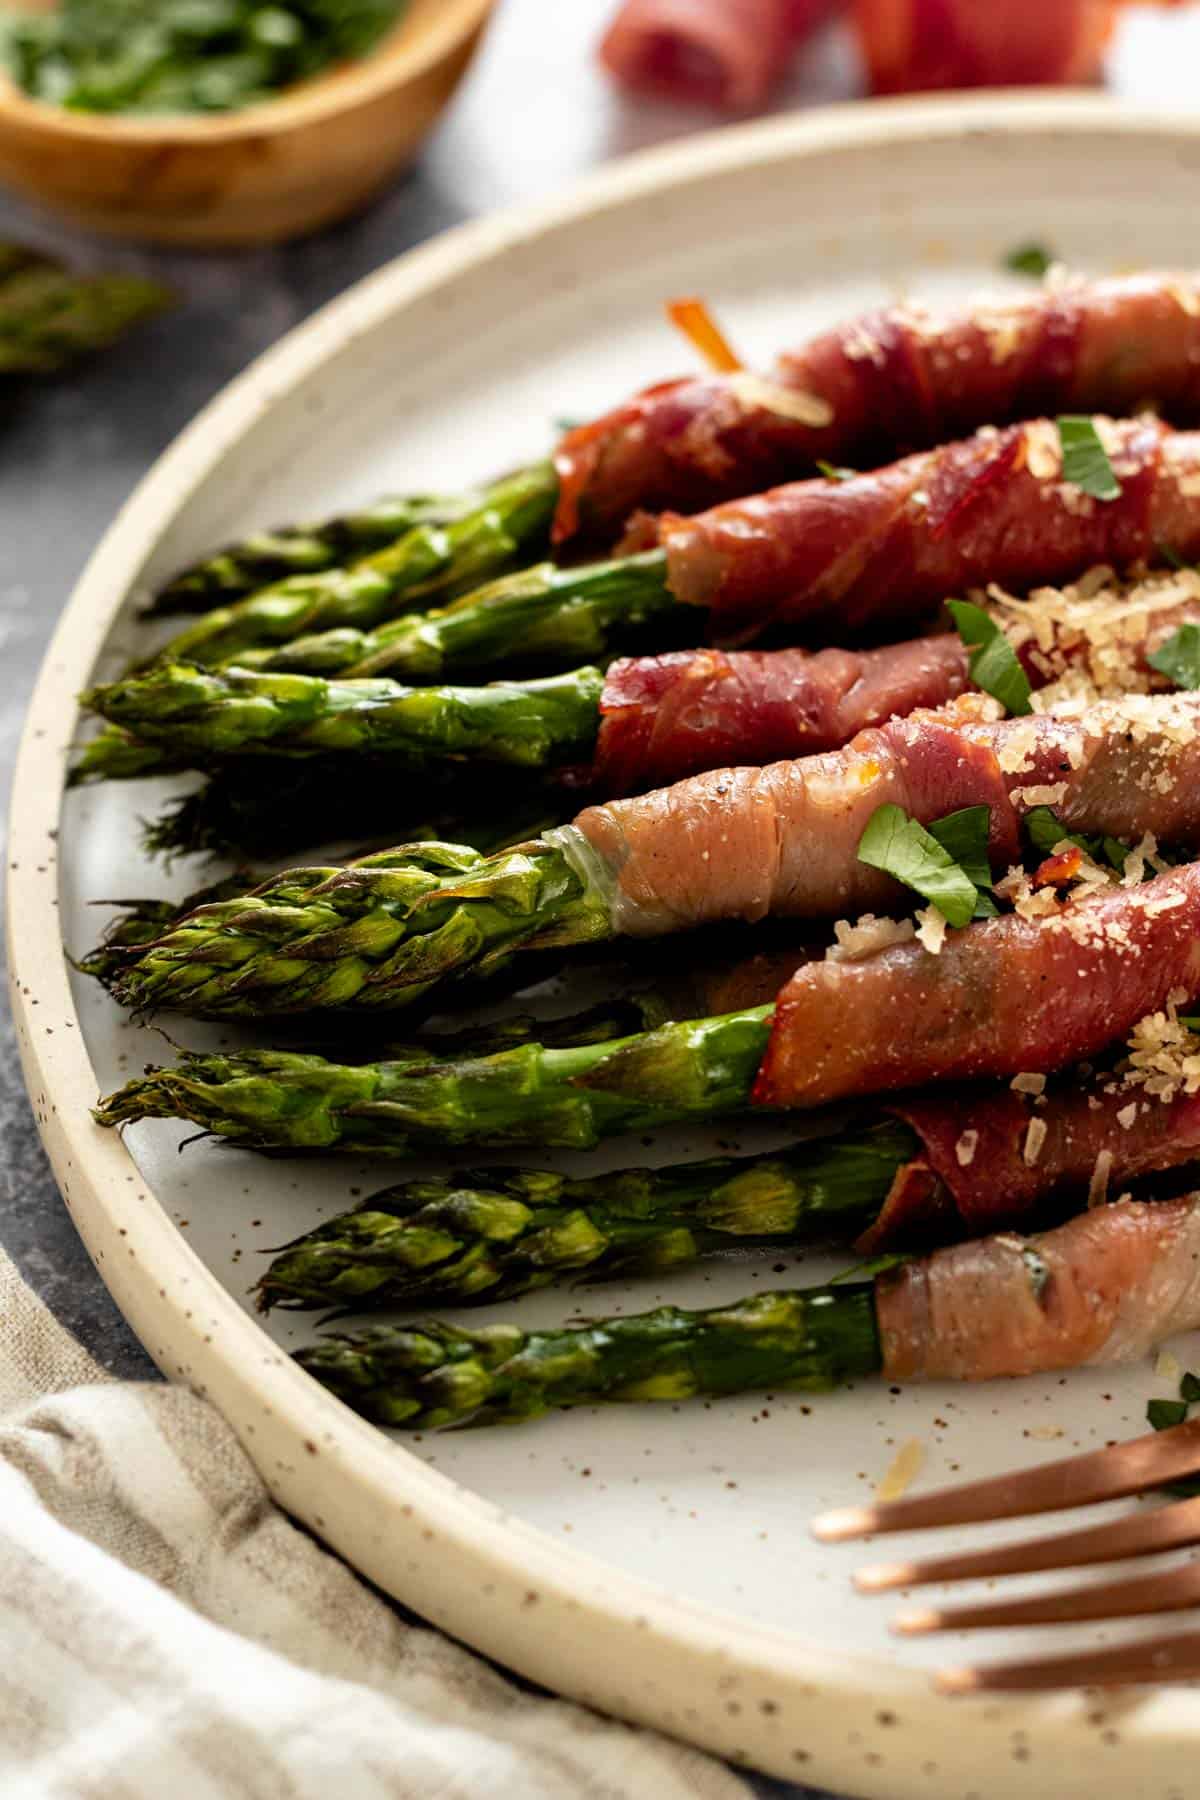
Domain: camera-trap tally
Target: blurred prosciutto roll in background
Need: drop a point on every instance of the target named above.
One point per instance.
(724, 53)
(913, 45)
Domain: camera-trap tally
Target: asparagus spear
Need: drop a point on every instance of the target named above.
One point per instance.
(49, 317)
(432, 1374)
(271, 807)
(538, 615)
(144, 920)
(272, 556)
(481, 1235)
(530, 1096)
(429, 561)
(204, 715)
(382, 932)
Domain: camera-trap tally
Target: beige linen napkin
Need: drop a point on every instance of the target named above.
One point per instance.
(167, 1634)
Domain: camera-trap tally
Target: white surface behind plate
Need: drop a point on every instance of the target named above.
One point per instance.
(709, 1501)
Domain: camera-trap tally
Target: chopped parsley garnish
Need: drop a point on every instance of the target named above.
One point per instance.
(1029, 259)
(1085, 461)
(964, 836)
(1162, 1414)
(904, 849)
(832, 472)
(565, 423)
(993, 662)
(1046, 831)
(1179, 657)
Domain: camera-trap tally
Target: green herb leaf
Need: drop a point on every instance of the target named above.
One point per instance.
(1045, 831)
(1171, 557)
(964, 836)
(563, 424)
(905, 850)
(1162, 1414)
(1085, 461)
(1189, 1388)
(832, 472)
(1179, 657)
(993, 662)
(1029, 259)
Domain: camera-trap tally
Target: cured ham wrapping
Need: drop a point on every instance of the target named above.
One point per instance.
(1104, 1288)
(744, 843)
(898, 379)
(911, 46)
(889, 545)
(665, 717)
(724, 53)
(977, 1171)
(1002, 997)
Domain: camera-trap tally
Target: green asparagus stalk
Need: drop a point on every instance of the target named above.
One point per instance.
(380, 933)
(272, 807)
(431, 1374)
(428, 562)
(529, 1096)
(205, 715)
(143, 921)
(50, 317)
(272, 556)
(540, 615)
(482, 1235)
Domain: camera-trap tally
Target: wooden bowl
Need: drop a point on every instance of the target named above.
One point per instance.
(255, 176)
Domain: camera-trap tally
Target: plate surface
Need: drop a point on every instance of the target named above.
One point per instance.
(652, 1561)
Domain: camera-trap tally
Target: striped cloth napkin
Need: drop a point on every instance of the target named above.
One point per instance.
(166, 1631)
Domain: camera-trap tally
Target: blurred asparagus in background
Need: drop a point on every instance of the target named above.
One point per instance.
(50, 316)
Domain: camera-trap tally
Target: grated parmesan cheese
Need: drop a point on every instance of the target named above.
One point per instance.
(789, 403)
(931, 929)
(965, 1148)
(905, 1467)
(1043, 452)
(1098, 1186)
(1028, 1084)
(1035, 1137)
(866, 936)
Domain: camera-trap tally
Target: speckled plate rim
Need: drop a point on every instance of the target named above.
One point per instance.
(758, 1695)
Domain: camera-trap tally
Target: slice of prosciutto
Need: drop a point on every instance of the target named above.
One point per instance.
(1002, 997)
(783, 840)
(727, 53)
(1104, 1288)
(898, 379)
(912, 46)
(992, 1158)
(885, 547)
(665, 717)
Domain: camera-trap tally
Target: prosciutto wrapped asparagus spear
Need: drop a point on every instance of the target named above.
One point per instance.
(933, 1169)
(737, 844)
(1104, 1288)
(900, 378)
(649, 722)
(816, 560)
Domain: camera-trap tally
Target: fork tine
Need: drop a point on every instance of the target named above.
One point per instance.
(1108, 1474)
(1154, 1659)
(1167, 1590)
(1138, 1534)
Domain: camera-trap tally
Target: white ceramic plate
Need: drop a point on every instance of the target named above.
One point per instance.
(655, 1562)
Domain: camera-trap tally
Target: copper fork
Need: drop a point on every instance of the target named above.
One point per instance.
(1113, 1473)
